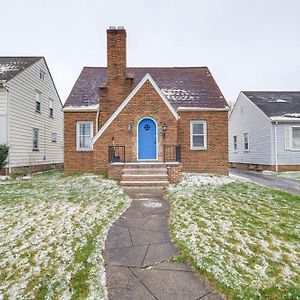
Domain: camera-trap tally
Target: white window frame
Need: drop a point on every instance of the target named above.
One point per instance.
(291, 138)
(248, 149)
(38, 99)
(235, 143)
(54, 137)
(35, 148)
(51, 108)
(42, 75)
(204, 123)
(78, 123)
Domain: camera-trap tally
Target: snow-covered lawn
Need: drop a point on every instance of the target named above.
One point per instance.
(288, 174)
(52, 232)
(242, 237)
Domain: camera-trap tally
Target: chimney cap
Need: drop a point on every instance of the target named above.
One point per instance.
(112, 27)
(120, 27)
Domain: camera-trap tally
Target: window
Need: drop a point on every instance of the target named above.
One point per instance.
(84, 135)
(35, 139)
(198, 139)
(296, 138)
(54, 137)
(246, 141)
(51, 107)
(38, 97)
(235, 142)
(42, 75)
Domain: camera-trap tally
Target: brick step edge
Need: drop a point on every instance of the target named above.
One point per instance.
(146, 183)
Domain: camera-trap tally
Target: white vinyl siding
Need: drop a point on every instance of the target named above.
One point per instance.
(246, 117)
(198, 135)
(3, 116)
(287, 154)
(23, 118)
(84, 135)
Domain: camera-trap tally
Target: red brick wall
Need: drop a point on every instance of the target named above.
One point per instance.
(146, 103)
(76, 161)
(215, 158)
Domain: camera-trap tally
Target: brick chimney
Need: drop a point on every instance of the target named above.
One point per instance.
(116, 54)
(118, 85)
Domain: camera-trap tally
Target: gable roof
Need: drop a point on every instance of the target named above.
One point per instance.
(276, 104)
(147, 77)
(11, 66)
(182, 87)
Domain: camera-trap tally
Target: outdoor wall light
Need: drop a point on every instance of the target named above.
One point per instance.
(164, 130)
(129, 128)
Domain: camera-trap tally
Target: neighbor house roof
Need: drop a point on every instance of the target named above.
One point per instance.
(277, 104)
(183, 87)
(12, 66)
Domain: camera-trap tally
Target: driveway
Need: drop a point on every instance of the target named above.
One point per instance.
(288, 185)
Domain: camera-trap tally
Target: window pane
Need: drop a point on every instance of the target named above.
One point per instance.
(198, 141)
(197, 128)
(85, 129)
(296, 138)
(85, 142)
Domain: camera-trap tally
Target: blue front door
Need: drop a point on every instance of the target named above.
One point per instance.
(147, 139)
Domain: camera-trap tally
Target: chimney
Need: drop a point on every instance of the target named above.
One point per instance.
(116, 54)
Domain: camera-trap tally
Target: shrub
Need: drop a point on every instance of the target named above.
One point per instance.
(3, 155)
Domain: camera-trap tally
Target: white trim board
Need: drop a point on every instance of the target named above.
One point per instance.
(81, 108)
(127, 100)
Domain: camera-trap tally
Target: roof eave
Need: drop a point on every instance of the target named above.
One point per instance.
(186, 109)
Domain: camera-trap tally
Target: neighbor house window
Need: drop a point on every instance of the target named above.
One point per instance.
(246, 141)
(35, 139)
(296, 138)
(42, 75)
(235, 142)
(54, 137)
(51, 107)
(38, 97)
(198, 139)
(84, 135)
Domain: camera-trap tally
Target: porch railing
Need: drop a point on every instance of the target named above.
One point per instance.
(116, 154)
(172, 153)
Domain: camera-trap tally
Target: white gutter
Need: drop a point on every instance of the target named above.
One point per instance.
(275, 144)
(284, 119)
(90, 108)
(202, 109)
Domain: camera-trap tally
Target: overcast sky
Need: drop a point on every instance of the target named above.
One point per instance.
(247, 44)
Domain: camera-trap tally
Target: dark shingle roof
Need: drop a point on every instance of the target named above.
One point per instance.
(183, 87)
(275, 104)
(12, 66)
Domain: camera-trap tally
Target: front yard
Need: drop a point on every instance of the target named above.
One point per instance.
(244, 238)
(52, 232)
(295, 175)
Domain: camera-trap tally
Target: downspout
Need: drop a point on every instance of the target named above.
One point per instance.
(275, 144)
(7, 124)
(97, 118)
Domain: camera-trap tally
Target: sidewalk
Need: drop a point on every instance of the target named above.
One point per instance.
(138, 251)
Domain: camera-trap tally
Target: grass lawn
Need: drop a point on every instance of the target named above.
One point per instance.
(244, 238)
(52, 232)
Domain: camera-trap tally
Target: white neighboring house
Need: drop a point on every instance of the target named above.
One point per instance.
(264, 131)
(31, 117)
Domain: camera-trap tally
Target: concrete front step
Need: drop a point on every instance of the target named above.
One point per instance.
(145, 176)
(144, 171)
(143, 183)
(144, 165)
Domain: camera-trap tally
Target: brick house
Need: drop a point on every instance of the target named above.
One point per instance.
(119, 118)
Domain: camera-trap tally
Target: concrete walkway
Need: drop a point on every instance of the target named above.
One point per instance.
(288, 185)
(138, 251)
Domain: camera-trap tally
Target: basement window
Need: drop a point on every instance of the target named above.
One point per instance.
(198, 135)
(84, 135)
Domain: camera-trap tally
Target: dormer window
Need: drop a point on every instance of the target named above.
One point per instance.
(42, 75)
